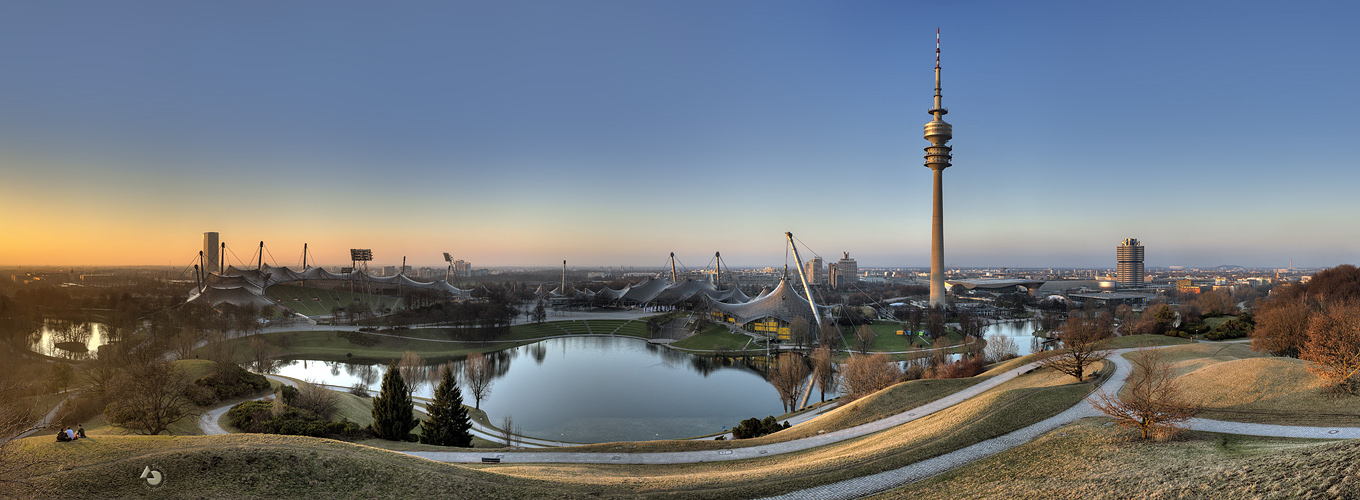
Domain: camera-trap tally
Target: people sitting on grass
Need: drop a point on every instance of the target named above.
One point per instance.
(80, 430)
(66, 435)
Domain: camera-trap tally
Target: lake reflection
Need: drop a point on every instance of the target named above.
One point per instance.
(598, 389)
(1022, 332)
(66, 339)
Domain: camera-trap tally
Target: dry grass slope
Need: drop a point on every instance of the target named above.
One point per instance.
(258, 466)
(1088, 460)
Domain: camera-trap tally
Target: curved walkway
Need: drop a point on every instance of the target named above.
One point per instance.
(867, 485)
(679, 457)
(207, 422)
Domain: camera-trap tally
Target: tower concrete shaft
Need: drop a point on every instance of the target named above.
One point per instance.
(938, 156)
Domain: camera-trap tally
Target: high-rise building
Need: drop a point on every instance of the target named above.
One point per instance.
(1129, 256)
(210, 253)
(844, 272)
(938, 132)
(815, 270)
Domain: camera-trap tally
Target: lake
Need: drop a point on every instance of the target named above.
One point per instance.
(598, 389)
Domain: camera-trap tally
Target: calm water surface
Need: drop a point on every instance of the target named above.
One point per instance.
(598, 389)
(65, 339)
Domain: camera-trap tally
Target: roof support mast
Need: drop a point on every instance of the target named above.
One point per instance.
(673, 278)
(806, 289)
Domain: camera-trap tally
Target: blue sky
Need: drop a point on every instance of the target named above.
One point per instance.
(615, 132)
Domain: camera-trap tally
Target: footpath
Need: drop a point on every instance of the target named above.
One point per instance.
(861, 486)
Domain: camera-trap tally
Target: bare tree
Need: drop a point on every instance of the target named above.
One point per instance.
(824, 370)
(800, 333)
(864, 375)
(184, 342)
(262, 354)
(864, 338)
(478, 374)
(413, 371)
(1333, 347)
(1153, 402)
(1281, 327)
(787, 377)
(1080, 339)
(828, 335)
(971, 325)
(15, 420)
(508, 430)
(1000, 348)
(311, 396)
(148, 398)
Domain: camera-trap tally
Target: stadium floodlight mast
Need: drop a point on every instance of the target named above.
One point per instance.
(357, 255)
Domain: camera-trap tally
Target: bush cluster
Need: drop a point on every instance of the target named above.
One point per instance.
(259, 417)
(358, 338)
(754, 427)
(1232, 329)
(963, 368)
(218, 387)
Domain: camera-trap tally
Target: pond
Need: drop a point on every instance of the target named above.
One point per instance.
(67, 339)
(1021, 331)
(598, 389)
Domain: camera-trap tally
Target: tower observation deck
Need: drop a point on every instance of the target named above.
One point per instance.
(938, 158)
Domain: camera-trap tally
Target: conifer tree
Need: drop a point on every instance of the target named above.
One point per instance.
(449, 423)
(393, 413)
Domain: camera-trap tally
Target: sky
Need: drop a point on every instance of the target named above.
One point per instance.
(611, 133)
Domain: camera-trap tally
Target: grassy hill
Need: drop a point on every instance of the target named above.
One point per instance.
(1088, 460)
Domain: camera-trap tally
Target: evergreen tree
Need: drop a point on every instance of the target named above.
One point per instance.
(449, 423)
(393, 413)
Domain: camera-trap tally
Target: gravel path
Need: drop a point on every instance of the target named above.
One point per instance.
(207, 422)
(866, 485)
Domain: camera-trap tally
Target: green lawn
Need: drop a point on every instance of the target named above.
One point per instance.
(1218, 321)
(715, 337)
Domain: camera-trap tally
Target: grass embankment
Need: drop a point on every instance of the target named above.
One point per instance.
(713, 338)
(1235, 383)
(1016, 404)
(1135, 341)
(284, 466)
(258, 466)
(1089, 460)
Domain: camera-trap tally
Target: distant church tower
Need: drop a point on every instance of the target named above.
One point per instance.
(938, 132)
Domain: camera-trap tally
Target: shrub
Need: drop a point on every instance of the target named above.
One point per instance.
(753, 427)
(231, 382)
(359, 390)
(962, 368)
(288, 393)
(358, 338)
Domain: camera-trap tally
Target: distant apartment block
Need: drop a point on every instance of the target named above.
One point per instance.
(815, 270)
(843, 272)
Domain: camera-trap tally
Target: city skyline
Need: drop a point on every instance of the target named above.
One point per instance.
(614, 133)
